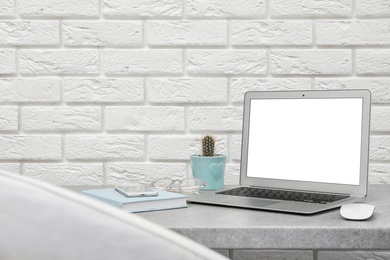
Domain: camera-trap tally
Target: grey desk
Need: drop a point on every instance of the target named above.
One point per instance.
(252, 234)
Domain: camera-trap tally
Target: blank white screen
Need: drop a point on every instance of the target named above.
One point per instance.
(316, 140)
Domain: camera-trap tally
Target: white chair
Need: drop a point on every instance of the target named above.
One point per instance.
(41, 221)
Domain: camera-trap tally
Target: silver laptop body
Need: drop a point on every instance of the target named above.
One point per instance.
(312, 141)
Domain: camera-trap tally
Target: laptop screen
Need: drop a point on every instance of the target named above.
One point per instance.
(311, 140)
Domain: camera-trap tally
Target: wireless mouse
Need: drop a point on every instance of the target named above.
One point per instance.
(357, 211)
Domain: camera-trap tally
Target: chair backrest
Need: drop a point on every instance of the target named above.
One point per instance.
(42, 221)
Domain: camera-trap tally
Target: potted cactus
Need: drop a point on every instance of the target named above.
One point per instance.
(209, 166)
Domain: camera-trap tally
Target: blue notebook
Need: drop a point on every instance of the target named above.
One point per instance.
(164, 200)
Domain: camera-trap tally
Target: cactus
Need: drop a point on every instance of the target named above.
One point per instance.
(208, 143)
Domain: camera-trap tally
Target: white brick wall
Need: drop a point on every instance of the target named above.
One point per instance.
(311, 62)
(271, 33)
(49, 62)
(136, 9)
(30, 33)
(311, 8)
(225, 62)
(103, 90)
(81, 33)
(117, 91)
(60, 118)
(23, 90)
(7, 61)
(136, 62)
(187, 33)
(146, 118)
(58, 8)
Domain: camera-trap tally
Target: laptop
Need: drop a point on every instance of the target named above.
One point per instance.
(308, 150)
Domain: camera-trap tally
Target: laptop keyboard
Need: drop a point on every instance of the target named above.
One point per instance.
(266, 193)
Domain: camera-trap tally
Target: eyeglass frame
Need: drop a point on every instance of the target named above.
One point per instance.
(173, 181)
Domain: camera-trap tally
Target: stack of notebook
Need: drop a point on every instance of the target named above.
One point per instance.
(164, 200)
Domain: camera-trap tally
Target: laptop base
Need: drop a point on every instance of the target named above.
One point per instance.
(211, 198)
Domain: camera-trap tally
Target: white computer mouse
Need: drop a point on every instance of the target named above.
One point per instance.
(357, 211)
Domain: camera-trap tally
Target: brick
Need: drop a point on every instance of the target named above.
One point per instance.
(103, 90)
(7, 8)
(380, 119)
(273, 254)
(30, 90)
(380, 148)
(226, 9)
(311, 62)
(267, 33)
(372, 8)
(235, 149)
(215, 118)
(85, 33)
(379, 87)
(144, 118)
(58, 8)
(366, 33)
(10, 167)
(143, 173)
(379, 174)
(227, 62)
(29, 33)
(373, 62)
(61, 118)
(187, 33)
(66, 173)
(311, 8)
(232, 174)
(142, 8)
(36, 147)
(59, 62)
(180, 147)
(118, 62)
(9, 118)
(7, 62)
(104, 147)
(353, 255)
(199, 90)
(239, 86)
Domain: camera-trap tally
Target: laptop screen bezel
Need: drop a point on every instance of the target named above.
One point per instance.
(360, 189)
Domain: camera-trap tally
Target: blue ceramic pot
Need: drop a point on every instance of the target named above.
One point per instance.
(210, 169)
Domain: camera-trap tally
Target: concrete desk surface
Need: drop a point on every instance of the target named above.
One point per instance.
(235, 228)
(247, 234)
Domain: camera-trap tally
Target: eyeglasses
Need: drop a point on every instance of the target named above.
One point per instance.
(186, 186)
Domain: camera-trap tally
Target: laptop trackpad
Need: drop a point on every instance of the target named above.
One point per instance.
(249, 202)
